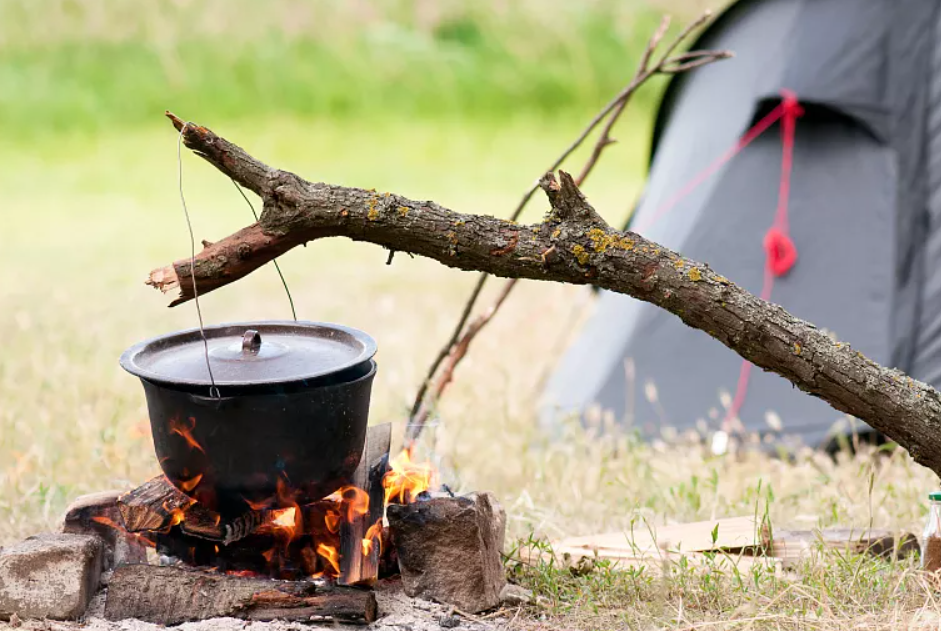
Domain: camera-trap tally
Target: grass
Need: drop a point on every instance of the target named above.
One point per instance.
(832, 591)
(94, 65)
(449, 102)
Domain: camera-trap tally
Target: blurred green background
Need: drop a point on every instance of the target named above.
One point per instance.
(91, 65)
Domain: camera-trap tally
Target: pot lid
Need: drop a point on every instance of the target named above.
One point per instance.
(250, 353)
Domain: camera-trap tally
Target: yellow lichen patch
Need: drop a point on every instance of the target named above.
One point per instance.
(373, 213)
(679, 264)
(797, 348)
(694, 275)
(452, 237)
(403, 210)
(601, 240)
(387, 194)
(723, 280)
(556, 233)
(459, 223)
(580, 254)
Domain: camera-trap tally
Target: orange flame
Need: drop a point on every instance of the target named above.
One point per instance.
(185, 431)
(101, 519)
(176, 517)
(110, 523)
(257, 506)
(188, 485)
(355, 499)
(373, 534)
(406, 479)
(332, 519)
(285, 521)
(331, 555)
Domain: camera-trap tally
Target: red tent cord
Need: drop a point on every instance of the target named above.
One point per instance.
(780, 251)
(756, 130)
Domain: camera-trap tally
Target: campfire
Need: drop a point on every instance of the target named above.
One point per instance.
(276, 500)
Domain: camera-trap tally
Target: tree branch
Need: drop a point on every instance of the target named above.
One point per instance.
(571, 245)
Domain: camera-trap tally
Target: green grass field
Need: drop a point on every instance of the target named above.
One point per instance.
(462, 103)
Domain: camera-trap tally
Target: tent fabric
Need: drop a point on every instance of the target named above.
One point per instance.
(863, 205)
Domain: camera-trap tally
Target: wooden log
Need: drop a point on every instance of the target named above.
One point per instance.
(157, 505)
(153, 505)
(173, 595)
(357, 565)
(449, 549)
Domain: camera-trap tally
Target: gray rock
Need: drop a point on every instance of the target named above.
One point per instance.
(449, 549)
(50, 576)
(514, 595)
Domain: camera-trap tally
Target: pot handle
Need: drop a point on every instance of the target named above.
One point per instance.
(251, 342)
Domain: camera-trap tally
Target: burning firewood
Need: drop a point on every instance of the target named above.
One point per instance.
(339, 536)
(155, 505)
(361, 536)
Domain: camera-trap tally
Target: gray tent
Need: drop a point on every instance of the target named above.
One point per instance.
(864, 208)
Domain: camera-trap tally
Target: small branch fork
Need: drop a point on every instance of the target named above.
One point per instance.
(463, 336)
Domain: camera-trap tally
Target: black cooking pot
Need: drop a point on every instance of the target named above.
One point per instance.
(289, 409)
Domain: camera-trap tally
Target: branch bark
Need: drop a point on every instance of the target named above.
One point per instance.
(574, 245)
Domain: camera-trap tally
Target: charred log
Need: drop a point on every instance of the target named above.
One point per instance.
(172, 595)
(153, 505)
(158, 505)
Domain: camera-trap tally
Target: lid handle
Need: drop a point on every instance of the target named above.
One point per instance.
(251, 342)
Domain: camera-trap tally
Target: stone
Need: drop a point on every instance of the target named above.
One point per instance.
(513, 596)
(449, 549)
(50, 576)
(99, 514)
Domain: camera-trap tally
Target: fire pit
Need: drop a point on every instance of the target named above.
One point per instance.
(286, 403)
(273, 502)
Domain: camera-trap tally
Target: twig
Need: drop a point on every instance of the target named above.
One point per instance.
(454, 356)
(457, 345)
(443, 353)
(472, 618)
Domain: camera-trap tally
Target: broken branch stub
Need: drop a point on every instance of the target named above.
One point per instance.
(572, 245)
